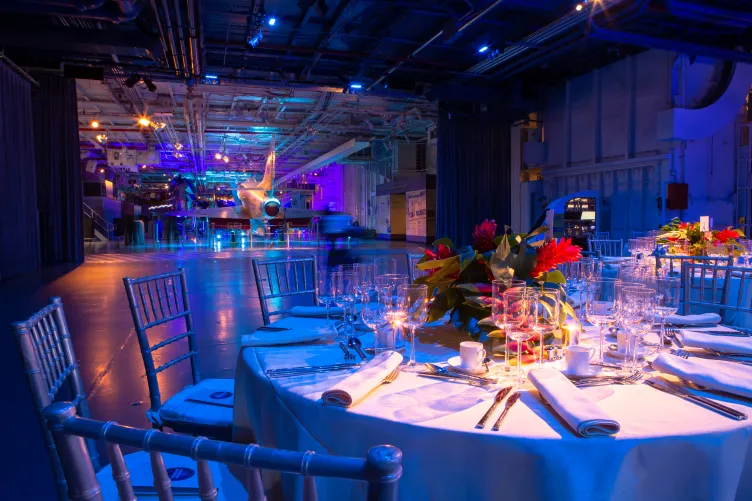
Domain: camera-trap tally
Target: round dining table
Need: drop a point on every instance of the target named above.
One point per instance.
(666, 449)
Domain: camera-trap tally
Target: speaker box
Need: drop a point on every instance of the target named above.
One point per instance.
(677, 196)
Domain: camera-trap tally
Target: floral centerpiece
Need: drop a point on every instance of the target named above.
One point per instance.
(459, 279)
(679, 232)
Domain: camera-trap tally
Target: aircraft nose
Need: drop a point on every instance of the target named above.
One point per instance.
(271, 207)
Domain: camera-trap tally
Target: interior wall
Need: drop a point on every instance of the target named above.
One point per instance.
(600, 131)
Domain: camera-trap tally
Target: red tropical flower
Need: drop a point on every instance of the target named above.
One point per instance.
(683, 226)
(442, 252)
(555, 253)
(727, 234)
(483, 236)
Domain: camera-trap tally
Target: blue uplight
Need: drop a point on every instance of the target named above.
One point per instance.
(272, 21)
(356, 86)
(483, 49)
(211, 77)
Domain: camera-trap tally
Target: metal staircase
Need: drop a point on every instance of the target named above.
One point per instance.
(103, 229)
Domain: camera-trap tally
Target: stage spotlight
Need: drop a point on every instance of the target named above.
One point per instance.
(579, 7)
(356, 86)
(272, 21)
(150, 85)
(178, 146)
(217, 156)
(143, 167)
(94, 124)
(225, 159)
(102, 138)
(132, 80)
(101, 171)
(483, 49)
(144, 121)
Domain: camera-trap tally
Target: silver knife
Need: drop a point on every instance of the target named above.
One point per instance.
(676, 390)
(499, 397)
(510, 402)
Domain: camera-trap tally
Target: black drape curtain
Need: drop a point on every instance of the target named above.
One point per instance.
(473, 173)
(58, 170)
(19, 244)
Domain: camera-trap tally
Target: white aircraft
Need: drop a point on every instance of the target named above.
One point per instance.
(257, 202)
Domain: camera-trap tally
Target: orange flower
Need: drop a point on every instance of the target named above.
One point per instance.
(555, 253)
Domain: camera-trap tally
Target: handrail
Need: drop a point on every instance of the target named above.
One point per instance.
(382, 467)
(98, 220)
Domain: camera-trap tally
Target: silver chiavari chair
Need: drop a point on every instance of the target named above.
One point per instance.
(673, 264)
(606, 248)
(198, 409)
(51, 366)
(381, 469)
(412, 262)
(714, 286)
(281, 279)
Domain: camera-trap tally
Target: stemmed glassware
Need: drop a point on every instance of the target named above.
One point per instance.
(600, 307)
(518, 321)
(324, 291)
(545, 311)
(384, 266)
(387, 287)
(363, 277)
(373, 316)
(638, 308)
(666, 302)
(633, 246)
(498, 288)
(414, 300)
(571, 272)
(343, 284)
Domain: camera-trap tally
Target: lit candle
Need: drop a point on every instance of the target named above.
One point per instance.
(571, 332)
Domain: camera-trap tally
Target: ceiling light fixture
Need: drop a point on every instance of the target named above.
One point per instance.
(143, 121)
(272, 21)
(150, 84)
(484, 48)
(143, 167)
(101, 171)
(178, 146)
(579, 7)
(132, 80)
(217, 156)
(94, 124)
(226, 159)
(102, 138)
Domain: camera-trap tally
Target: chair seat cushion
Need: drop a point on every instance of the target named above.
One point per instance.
(205, 405)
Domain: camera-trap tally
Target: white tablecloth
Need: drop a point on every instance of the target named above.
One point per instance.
(667, 449)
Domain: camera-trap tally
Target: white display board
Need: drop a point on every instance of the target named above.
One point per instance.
(383, 214)
(416, 213)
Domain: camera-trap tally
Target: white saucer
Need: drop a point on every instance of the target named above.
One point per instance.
(641, 352)
(561, 366)
(454, 364)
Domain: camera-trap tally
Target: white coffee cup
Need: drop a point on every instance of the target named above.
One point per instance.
(471, 354)
(578, 359)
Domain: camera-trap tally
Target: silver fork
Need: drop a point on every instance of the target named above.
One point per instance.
(392, 376)
(672, 332)
(709, 356)
(632, 379)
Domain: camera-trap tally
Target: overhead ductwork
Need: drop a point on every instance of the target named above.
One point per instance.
(115, 11)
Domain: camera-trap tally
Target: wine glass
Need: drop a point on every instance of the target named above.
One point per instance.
(599, 307)
(498, 288)
(372, 314)
(343, 283)
(639, 315)
(364, 277)
(387, 288)
(667, 302)
(546, 311)
(324, 292)
(384, 266)
(517, 321)
(415, 305)
(571, 272)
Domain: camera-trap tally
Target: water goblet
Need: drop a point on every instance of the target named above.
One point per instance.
(414, 300)
(667, 302)
(518, 322)
(545, 312)
(324, 292)
(599, 307)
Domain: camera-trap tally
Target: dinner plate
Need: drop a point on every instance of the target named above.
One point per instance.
(455, 365)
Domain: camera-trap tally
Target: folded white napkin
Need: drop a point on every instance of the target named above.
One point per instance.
(298, 330)
(713, 374)
(702, 319)
(724, 344)
(315, 311)
(356, 387)
(572, 404)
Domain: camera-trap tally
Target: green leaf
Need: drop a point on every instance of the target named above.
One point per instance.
(444, 241)
(567, 308)
(535, 232)
(555, 276)
(466, 258)
(437, 263)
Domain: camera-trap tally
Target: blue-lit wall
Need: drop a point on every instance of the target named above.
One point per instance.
(602, 132)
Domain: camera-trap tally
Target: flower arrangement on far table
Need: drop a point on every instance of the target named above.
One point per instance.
(680, 232)
(460, 278)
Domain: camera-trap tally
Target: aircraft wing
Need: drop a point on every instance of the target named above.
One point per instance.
(217, 212)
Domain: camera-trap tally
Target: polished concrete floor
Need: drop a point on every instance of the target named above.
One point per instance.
(223, 298)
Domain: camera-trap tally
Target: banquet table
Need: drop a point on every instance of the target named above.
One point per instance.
(667, 448)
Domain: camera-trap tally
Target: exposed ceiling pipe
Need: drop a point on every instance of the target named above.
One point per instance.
(195, 63)
(641, 40)
(107, 12)
(432, 39)
(708, 14)
(80, 5)
(162, 36)
(171, 36)
(181, 39)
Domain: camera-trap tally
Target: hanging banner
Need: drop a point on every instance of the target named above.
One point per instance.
(416, 213)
